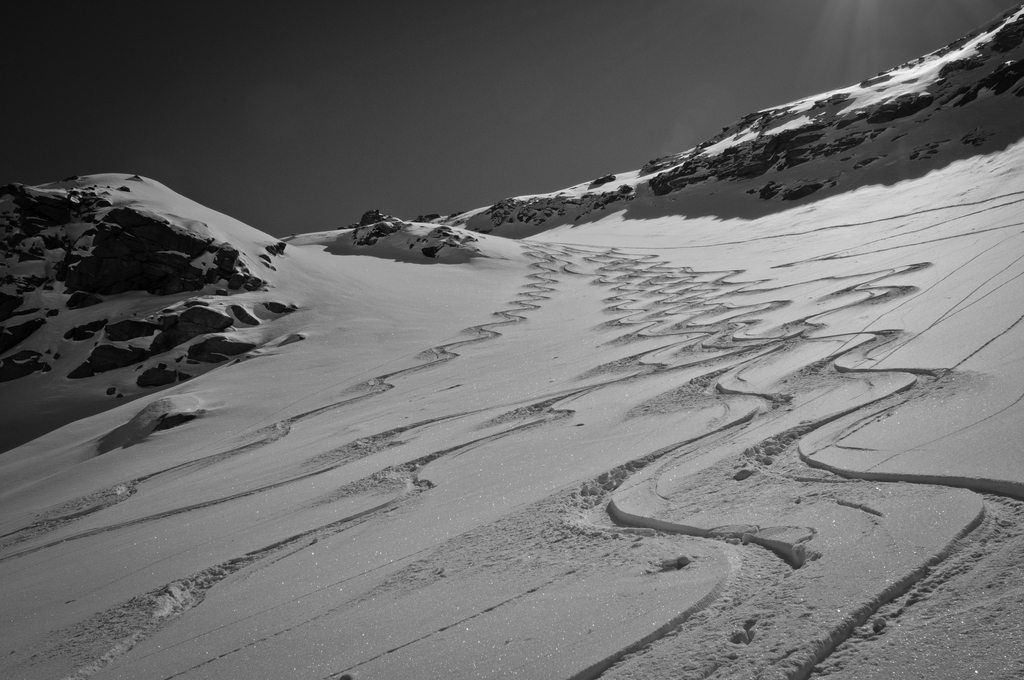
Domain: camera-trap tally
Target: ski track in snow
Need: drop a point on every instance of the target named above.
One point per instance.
(651, 300)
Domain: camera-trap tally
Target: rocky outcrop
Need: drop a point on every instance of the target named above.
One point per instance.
(12, 334)
(9, 303)
(21, 364)
(129, 329)
(278, 307)
(900, 107)
(243, 315)
(106, 358)
(218, 348)
(193, 322)
(160, 375)
(768, 143)
(78, 237)
(85, 331)
(533, 212)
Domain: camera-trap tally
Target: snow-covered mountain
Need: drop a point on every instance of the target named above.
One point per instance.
(752, 410)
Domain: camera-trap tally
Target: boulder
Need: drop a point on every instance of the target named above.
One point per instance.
(157, 376)
(81, 300)
(279, 308)
(85, 331)
(191, 323)
(107, 358)
(130, 329)
(243, 315)
(21, 364)
(12, 335)
(9, 303)
(900, 107)
(218, 348)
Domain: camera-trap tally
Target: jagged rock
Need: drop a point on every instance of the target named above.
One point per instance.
(277, 248)
(133, 250)
(9, 303)
(801, 191)
(367, 235)
(900, 107)
(1008, 37)
(1004, 76)
(279, 308)
(107, 358)
(371, 217)
(12, 335)
(124, 248)
(225, 259)
(157, 376)
(966, 64)
(218, 348)
(600, 181)
(243, 315)
(191, 323)
(169, 420)
(130, 329)
(20, 364)
(81, 300)
(85, 331)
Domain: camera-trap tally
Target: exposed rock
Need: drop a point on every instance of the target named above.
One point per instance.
(81, 300)
(95, 248)
(157, 376)
(12, 335)
(85, 331)
(801, 191)
(107, 358)
(9, 303)
(243, 315)
(533, 212)
(130, 329)
(277, 248)
(600, 181)
(169, 420)
(279, 308)
(966, 64)
(191, 323)
(368, 234)
(218, 348)
(1004, 76)
(20, 364)
(1008, 37)
(371, 217)
(900, 107)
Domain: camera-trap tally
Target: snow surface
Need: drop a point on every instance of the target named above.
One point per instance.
(656, 444)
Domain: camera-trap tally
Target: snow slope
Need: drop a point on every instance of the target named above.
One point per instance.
(704, 430)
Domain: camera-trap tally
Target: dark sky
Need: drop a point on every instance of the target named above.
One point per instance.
(302, 116)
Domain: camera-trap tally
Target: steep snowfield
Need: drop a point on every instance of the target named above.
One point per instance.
(701, 431)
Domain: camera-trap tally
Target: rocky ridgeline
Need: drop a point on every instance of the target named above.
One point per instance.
(65, 250)
(830, 140)
(770, 142)
(374, 226)
(538, 210)
(133, 341)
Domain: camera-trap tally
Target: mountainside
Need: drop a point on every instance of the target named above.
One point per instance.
(753, 410)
